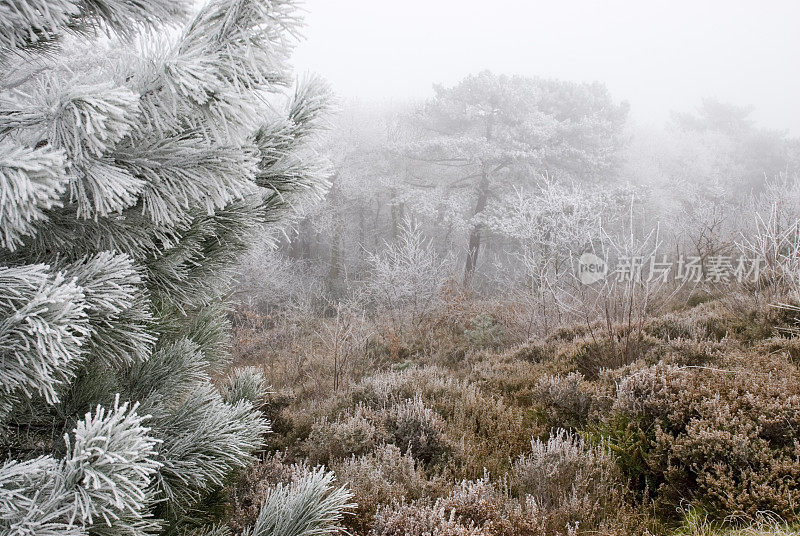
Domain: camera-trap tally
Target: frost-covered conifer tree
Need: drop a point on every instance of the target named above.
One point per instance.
(136, 162)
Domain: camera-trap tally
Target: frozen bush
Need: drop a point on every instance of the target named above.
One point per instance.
(483, 504)
(562, 467)
(268, 280)
(566, 482)
(725, 436)
(774, 235)
(421, 520)
(565, 400)
(417, 429)
(349, 435)
(478, 428)
(385, 476)
(671, 326)
(407, 278)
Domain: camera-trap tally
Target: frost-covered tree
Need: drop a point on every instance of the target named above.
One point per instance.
(488, 134)
(136, 162)
(407, 277)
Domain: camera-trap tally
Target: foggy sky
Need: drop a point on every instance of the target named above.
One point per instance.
(658, 55)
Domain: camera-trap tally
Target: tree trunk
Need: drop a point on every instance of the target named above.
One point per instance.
(397, 214)
(474, 243)
(336, 239)
(299, 245)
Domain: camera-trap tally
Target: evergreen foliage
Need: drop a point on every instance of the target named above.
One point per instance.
(134, 169)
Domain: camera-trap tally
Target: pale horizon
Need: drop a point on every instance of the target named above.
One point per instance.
(660, 57)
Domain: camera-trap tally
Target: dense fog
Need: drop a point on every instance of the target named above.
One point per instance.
(441, 268)
(659, 56)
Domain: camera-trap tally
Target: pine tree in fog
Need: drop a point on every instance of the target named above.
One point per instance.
(133, 170)
(489, 134)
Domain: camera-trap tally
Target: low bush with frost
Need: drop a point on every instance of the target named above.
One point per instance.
(724, 436)
(385, 476)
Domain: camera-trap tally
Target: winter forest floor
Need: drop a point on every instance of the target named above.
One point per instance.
(683, 423)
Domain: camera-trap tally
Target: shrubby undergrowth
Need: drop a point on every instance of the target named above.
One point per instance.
(686, 422)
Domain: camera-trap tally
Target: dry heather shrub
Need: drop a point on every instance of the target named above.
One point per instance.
(721, 319)
(535, 351)
(385, 476)
(488, 508)
(570, 487)
(591, 355)
(566, 474)
(671, 326)
(349, 435)
(566, 400)
(417, 430)
(711, 321)
(568, 333)
(421, 520)
(786, 347)
(488, 432)
(513, 378)
(482, 430)
(647, 391)
(482, 504)
(727, 438)
(505, 376)
(744, 321)
(684, 352)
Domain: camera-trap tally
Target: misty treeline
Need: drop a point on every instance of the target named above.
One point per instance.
(496, 185)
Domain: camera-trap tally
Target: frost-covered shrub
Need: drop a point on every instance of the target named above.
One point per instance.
(788, 347)
(568, 481)
(352, 434)
(671, 326)
(407, 278)
(565, 400)
(385, 476)
(483, 507)
(590, 355)
(555, 468)
(774, 235)
(648, 391)
(535, 351)
(727, 437)
(482, 503)
(417, 429)
(268, 280)
(421, 520)
(693, 352)
(455, 417)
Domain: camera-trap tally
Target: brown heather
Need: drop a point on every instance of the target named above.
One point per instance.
(687, 423)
